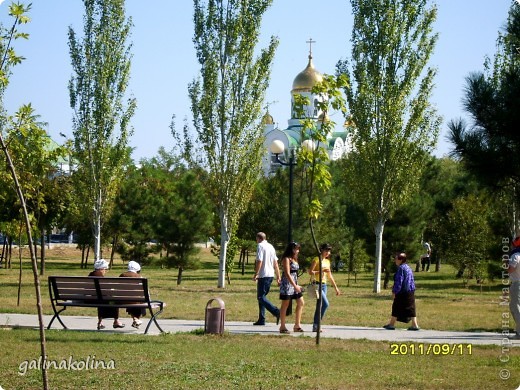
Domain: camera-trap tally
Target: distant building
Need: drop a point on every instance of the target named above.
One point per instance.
(338, 142)
(63, 164)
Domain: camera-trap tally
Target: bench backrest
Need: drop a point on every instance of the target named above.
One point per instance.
(99, 289)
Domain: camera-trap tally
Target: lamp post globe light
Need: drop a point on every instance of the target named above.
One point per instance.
(309, 144)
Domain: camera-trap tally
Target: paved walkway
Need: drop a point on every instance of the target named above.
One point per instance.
(400, 335)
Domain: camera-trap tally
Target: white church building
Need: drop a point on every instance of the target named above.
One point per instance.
(338, 142)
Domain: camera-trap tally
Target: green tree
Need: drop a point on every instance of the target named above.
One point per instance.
(184, 219)
(443, 181)
(226, 104)
(9, 58)
(267, 210)
(36, 158)
(164, 202)
(55, 190)
(468, 235)
(101, 65)
(395, 125)
(132, 224)
(313, 157)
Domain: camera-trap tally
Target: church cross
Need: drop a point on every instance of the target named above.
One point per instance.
(310, 42)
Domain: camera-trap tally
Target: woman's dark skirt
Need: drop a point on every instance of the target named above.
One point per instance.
(135, 312)
(284, 297)
(108, 312)
(403, 307)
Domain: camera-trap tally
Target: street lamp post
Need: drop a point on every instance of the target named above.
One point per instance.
(277, 148)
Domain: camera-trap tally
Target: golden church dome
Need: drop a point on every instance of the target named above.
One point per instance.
(323, 117)
(349, 122)
(307, 78)
(267, 119)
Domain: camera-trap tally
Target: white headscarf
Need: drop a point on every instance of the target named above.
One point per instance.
(133, 266)
(101, 264)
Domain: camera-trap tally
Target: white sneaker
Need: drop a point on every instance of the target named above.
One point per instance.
(136, 324)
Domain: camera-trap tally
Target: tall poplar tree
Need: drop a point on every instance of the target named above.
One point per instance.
(395, 126)
(226, 104)
(101, 65)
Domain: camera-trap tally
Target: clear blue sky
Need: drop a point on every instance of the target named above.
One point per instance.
(164, 59)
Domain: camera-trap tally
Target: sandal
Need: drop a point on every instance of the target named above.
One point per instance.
(115, 326)
(299, 330)
(284, 331)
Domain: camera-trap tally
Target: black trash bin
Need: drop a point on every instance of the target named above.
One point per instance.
(215, 317)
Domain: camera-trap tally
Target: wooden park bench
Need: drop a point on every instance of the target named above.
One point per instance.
(96, 291)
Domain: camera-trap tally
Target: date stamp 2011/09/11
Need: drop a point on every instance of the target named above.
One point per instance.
(430, 349)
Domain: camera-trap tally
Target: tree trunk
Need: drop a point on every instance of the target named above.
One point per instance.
(113, 251)
(320, 292)
(242, 261)
(82, 265)
(2, 256)
(224, 240)
(42, 253)
(9, 253)
(380, 226)
(97, 228)
(34, 264)
(387, 275)
(179, 276)
(20, 249)
(19, 277)
(86, 256)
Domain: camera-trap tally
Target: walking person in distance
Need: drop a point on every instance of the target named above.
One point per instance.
(514, 289)
(426, 257)
(326, 274)
(289, 288)
(403, 291)
(266, 268)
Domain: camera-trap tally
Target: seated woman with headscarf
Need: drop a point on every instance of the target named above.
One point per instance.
(133, 271)
(100, 269)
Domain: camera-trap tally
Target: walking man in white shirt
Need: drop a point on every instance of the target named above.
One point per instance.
(426, 258)
(266, 267)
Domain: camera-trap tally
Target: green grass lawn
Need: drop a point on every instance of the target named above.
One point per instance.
(443, 302)
(194, 361)
(185, 361)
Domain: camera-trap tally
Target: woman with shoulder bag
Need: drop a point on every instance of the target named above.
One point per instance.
(326, 274)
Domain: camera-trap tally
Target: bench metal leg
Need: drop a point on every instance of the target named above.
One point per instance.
(57, 315)
(154, 320)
